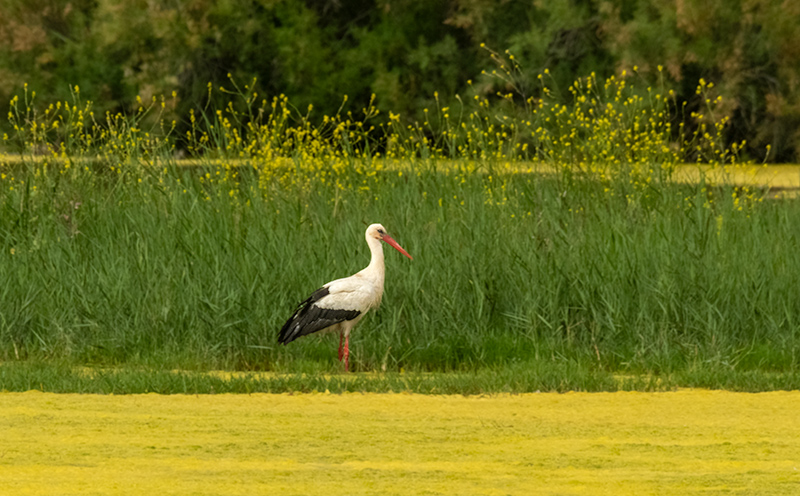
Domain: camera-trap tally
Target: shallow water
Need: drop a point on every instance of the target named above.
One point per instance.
(685, 442)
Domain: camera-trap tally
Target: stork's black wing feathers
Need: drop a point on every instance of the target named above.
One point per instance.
(310, 318)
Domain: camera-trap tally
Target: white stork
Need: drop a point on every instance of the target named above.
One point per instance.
(340, 304)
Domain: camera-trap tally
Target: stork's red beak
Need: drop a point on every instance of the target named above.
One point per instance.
(394, 245)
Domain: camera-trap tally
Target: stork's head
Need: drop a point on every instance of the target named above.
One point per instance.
(378, 232)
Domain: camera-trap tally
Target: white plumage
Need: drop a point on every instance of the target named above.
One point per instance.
(341, 304)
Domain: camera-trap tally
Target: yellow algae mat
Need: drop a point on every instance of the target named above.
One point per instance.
(684, 442)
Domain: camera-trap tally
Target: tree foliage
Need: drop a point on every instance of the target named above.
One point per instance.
(406, 52)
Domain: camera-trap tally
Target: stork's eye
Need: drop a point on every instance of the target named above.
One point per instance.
(381, 231)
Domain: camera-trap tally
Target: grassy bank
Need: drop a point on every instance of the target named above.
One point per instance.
(530, 377)
(113, 254)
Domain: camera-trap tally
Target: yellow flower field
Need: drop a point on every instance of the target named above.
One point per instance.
(685, 442)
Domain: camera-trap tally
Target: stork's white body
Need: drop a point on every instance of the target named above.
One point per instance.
(341, 304)
(361, 291)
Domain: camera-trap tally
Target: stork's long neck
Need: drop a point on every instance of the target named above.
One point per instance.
(375, 267)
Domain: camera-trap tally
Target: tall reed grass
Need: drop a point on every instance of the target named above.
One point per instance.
(543, 233)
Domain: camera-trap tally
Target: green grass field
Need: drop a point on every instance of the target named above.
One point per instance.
(566, 255)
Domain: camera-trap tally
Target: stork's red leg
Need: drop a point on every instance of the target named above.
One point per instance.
(347, 353)
(341, 335)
